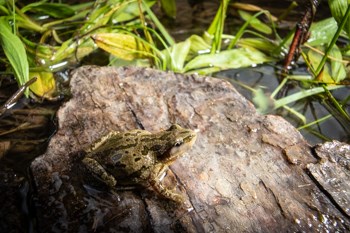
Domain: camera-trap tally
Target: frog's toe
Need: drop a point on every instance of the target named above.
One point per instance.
(178, 198)
(109, 180)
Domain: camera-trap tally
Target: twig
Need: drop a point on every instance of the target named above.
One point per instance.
(16, 96)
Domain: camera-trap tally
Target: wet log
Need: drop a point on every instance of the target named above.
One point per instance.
(245, 173)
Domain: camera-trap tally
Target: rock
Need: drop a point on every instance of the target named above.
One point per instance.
(245, 173)
(332, 173)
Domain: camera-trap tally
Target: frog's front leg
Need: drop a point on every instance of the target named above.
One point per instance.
(156, 183)
(94, 167)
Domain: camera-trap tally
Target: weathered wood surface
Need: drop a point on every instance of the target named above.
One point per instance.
(245, 173)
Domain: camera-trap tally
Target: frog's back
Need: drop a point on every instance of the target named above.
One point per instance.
(116, 141)
(120, 153)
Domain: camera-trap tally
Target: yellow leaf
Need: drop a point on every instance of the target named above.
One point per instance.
(44, 85)
(315, 59)
(123, 46)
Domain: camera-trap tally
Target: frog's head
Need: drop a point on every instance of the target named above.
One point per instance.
(177, 141)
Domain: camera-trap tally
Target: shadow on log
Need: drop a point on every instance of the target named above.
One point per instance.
(245, 173)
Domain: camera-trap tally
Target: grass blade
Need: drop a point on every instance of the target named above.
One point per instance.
(302, 94)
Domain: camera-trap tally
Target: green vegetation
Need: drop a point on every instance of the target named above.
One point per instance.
(41, 38)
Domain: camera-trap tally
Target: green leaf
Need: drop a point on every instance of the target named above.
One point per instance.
(199, 45)
(36, 51)
(229, 59)
(14, 51)
(322, 32)
(261, 44)
(337, 67)
(338, 9)
(177, 54)
(56, 10)
(169, 7)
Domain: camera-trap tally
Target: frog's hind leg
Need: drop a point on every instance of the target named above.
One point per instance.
(96, 169)
(156, 183)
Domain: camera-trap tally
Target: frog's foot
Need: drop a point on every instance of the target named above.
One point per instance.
(97, 170)
(168, 193)
(157, 185)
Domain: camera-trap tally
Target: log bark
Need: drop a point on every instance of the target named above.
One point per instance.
(246, 172)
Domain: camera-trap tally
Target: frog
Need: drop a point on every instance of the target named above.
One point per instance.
(139, 157)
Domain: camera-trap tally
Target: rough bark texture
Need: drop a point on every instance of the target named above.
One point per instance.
(245, 173)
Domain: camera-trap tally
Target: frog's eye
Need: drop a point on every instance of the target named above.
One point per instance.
(173, 127)
(178, 143)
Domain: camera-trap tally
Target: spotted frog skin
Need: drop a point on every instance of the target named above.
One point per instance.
(138, 157)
